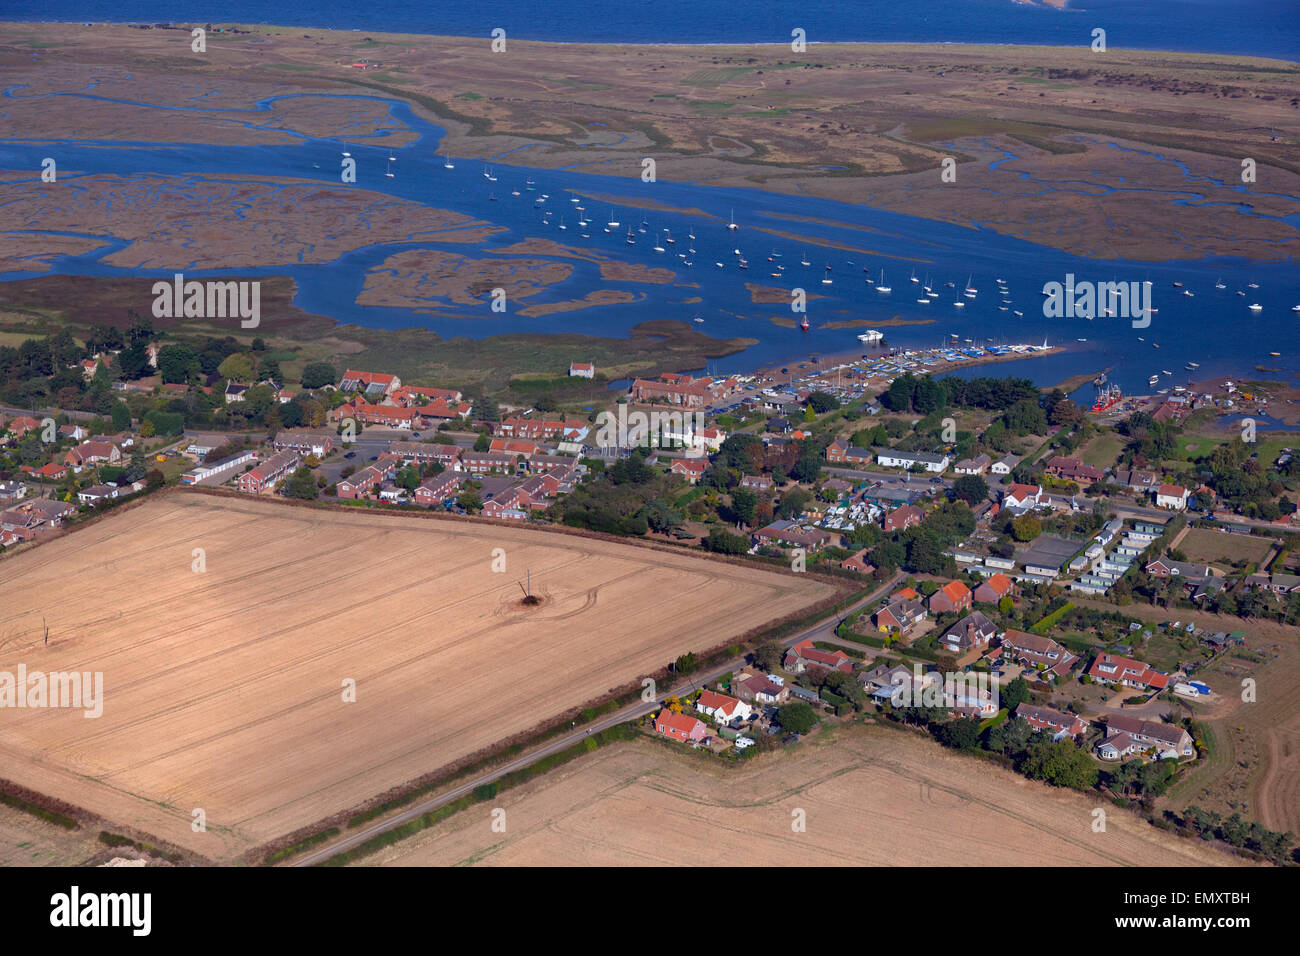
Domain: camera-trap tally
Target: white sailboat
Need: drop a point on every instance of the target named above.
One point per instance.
(447, 163)
(732, 225)
(880, 286)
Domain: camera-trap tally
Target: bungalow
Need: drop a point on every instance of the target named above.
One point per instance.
(903, 517)
(437, 489)
(1072, 469)
(369, 384)
(97, 494)
(680, 727)
(953, 596)
(971, 632)
(912, 459)
(721, 708)
(689, 468)
(51, 471)
(263, 476)
(899, 616)
(804, 655)
(1004, 465)
(1059, 724)
(235, 392)
(750, 685)
(1026, 498)
(897, 684)
(1172, 496)
(756, 482)
(972, 466)
(1113, 669)
(994, 588)
(1277, 583)
(784, 534)
(1033, 650)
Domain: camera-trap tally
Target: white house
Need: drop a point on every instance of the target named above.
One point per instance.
(721, 708)
(1004, 466)
(910, 459)
(1172, 496)
(582, 369)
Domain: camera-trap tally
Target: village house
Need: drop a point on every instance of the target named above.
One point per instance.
(894, 458)
(74, 432)
(972, 466)
(953, 596)
(1126, 735)
(899, 616)
(759, 688)
(1135, 479)
(804, 655)
(721, 708)
(903, 517)
(1004, 465)
(1072, 469)
(680, 727)
(994, 588)
(369, 384)
(263, 476)
(841, 452)
(51, 471)
(304, 442)
(1036, 651)
(688, 396)
(12, 490)
(235, 392)
(689, 468)
(1166, 567)
(436, 490)
(1113, 669)
(1279, 584)
(971, 632)
(92, 453)
(1059, 724)
(858, 562)
(582, 370)
(1173, 497)
(1026, 498)
(96, 495)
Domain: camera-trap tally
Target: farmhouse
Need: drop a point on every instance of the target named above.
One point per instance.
(690, 396)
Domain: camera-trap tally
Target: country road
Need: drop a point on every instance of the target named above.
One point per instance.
(822, 630)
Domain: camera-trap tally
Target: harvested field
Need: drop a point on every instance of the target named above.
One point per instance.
(873, 796)
(1207, 546)
(223, 689)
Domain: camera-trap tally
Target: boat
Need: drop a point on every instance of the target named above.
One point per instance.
(1252, 285)
(1240, 292)
(1178, 285)
(1108, 394)
(1154, 379)
(803, 324)
(1189, 293)
(923, 301)
(347, 155)
(1255, 307)
(719, 265)
(1218, 284)
(960, 304)
(803, 259)
(913, 277)
(1019, 313)
(1275, 354)
(658, 248)
(562, 225)
(732, 225)
(529, 184)
(697, 319)
(1083, 340)
(613, 223)
(514, 192)
(389, 173)
(1192, 366)
(1155, 345)
(970, 289)
(1295, 308)
(668, 237)
(880, 286)
(1166, 371)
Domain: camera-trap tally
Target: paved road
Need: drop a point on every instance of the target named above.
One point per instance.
(823, 630)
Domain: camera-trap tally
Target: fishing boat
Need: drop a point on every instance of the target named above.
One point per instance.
(880, 286)
(1108, 395)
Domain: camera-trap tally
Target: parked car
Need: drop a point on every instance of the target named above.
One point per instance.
(350, 454)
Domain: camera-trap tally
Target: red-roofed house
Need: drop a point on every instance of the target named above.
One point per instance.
(680, 727)
(372, 384)
(689, 468)
(90, 453)
(994, 588)
(721, 708)
(903, 517)
(1026, 497)
(1114, 669)
(1172, 496)
(953, 596)
(582, 369)
(804, 655)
